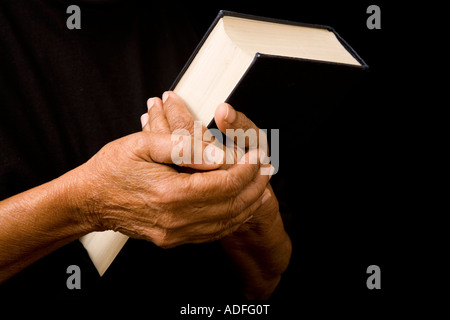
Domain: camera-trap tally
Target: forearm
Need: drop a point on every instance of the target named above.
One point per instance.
(37, 222)
(261, 255)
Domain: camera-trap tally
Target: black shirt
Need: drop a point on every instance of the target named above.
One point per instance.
(66, 93)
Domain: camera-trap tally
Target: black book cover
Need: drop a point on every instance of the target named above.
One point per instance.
(292, 95)
(299, 97)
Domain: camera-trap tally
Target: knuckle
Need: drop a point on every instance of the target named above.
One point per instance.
(140, 144)
(156, 120)
(163, 239)
(169, 193)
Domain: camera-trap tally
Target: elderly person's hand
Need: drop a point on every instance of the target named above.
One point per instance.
(127, 190)
(173, 116)
(260, 247)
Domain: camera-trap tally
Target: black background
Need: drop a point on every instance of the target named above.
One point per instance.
(348, 195)
(348, 191)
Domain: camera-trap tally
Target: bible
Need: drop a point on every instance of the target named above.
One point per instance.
(272, 70)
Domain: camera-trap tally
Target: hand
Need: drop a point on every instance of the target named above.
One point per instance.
(125, 189)
(227, 118)
(260, 248)
(171, 115)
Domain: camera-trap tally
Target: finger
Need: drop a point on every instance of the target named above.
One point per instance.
(144, 122)
(252, 194)
(157, 121)
(227, 117)
(217, 229)
(178, 116)
(250, 197)
(209, 231)
(223, 184)
(180, 150)
(247, 214)
(229, 120)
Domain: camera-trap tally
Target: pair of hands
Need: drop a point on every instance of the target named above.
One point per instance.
(130, 188)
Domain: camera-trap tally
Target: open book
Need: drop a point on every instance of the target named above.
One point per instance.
(251, 61)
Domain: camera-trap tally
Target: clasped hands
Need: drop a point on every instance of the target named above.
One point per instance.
(134, 185)
(131, 186)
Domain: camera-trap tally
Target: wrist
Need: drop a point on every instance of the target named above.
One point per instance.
(72, 190)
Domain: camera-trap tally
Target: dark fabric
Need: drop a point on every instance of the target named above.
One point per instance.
(65, 93)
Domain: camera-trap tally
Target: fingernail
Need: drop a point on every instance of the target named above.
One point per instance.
(263, 158)
(230, 116)
(144, 119)
(266, 196)
(165, 96)
(150, 103)
(213, 155)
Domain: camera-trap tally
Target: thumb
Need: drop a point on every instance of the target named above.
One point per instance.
(247, 133)
(181, 150)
